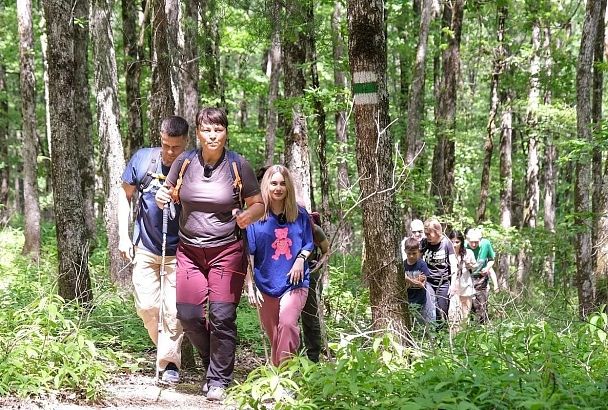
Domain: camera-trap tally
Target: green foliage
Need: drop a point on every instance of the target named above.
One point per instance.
(47, 344)
(526, 364)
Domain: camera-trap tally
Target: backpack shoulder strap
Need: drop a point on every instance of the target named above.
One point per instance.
(153, 161)
(180, 179)
(237, 182)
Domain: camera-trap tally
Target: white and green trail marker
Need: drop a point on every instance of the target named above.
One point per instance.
(365, 87)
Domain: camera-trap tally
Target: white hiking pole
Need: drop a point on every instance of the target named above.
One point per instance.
(162, 284)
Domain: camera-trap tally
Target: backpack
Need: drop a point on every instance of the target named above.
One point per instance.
(235, 173)
(151, 174)
(315, 255)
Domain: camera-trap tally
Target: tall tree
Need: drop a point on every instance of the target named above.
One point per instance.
(491, 128)
(172, 12)
(4, 169)
(106, 89)
(345, 230)
(320, 117)
(367, 56)
(600, 232)
(297, 157)
(415, 104)
(190, 73)
(442, 170)
(73, 252)
(132, 66)
(585, 280)
(82, 110)
(31, 208)
(532, 185)
(162, 103)
(274, 66)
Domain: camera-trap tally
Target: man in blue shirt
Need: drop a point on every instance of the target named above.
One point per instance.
(145, 173)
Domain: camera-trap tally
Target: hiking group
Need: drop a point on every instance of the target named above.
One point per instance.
(447, 276)
(204, 227)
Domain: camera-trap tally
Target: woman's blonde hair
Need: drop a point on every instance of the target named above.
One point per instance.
(434, 224)
(289, 203)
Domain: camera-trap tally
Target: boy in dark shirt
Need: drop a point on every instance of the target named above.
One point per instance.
(416, 272)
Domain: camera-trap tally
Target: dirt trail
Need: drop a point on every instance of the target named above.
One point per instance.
(130, 392)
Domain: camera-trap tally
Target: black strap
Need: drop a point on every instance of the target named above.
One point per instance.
(153, 164)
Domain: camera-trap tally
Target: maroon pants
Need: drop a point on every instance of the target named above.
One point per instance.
(209, 282)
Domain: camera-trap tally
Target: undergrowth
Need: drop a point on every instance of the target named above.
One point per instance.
(49, 346)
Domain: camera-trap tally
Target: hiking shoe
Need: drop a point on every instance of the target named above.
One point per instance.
(205, 388)
(216, 393)
(170, 376)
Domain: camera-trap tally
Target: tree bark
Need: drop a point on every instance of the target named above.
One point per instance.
(73, 252)
(506, 179)
(211, 61)
(382, 262)
(297, 157)
(162, 103)
(532, 189)
(585, 279)
(82, 111)
(491, 128)
(599, 237)
(274, 63)
(31, 246)
(133, 54)
(190, 73)
(106, 89)
(4, 170)
(320, 117)
(172, 12)
(442, 170)
(415, 105)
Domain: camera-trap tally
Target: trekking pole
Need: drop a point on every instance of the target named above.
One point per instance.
(162, 285)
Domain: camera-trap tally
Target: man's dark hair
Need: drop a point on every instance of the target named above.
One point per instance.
(411, 244)
(212, 115)
(174, 126)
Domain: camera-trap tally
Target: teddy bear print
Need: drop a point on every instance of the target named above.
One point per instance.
(282, 244)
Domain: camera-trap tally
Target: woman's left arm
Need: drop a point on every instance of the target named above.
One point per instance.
(254, 211)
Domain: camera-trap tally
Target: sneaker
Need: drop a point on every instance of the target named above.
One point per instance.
(205, 388)
(216, 393)
(170, 376)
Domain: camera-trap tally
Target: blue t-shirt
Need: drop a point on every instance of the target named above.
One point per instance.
(148, 227)
(414, 295)
(275, 247)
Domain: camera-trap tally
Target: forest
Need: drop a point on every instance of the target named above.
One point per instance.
(481, 114)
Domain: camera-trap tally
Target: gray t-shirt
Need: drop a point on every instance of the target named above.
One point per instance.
(207, 202)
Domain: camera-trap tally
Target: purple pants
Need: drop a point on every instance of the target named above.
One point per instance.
(209, 282)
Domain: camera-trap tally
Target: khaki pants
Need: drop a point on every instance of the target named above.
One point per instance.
(147, 292)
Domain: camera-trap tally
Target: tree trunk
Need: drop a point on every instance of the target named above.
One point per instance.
(4, 170)
(297, 157)
(132, 66)
(172, 13)
(344, 234)
(211, 50)
(506, 180)
(532, 191)
(274, 63)
(106, 89)
(442, 170)
(415, 105)
(599, 232)
(73, 252)
(162, 103)
(585, 280)
(382, 262)
(320, 117)
(82, 111)
(190, 73)
(550, 173)
(47, 109)
(491, 128)
(29, 151)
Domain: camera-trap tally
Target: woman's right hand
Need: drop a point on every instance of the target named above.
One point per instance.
(163, 196)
